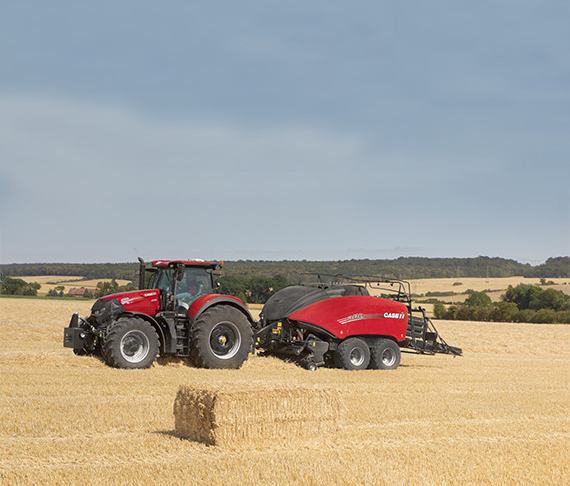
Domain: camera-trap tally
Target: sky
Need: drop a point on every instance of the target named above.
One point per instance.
(284, 130)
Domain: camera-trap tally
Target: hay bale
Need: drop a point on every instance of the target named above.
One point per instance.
(256, 416)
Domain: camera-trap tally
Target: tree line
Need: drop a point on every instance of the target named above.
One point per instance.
(255, 290)
(296, 271)
(523, 303)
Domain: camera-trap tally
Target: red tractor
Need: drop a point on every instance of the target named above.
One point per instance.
(176, 312)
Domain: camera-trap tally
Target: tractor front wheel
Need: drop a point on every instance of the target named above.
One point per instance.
(222, 337)
(131, 343)
(352, 354)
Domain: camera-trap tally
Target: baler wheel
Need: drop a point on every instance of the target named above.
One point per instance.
(352, 354)
(384, 355)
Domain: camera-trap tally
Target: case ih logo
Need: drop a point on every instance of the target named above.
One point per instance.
(359, 317)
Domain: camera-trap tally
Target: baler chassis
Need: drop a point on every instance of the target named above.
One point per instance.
(312, 346)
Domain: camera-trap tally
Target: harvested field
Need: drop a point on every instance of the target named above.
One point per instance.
(421, 286)
(47, 279)
(256, 416)
(494, 287)
(49, 282)
(499, 415)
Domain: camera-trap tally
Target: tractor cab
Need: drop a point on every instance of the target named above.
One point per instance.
(180, 282)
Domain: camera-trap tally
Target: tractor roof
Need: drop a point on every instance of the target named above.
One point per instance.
(187, 263)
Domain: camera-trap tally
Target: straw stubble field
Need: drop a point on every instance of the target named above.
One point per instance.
(498, 415)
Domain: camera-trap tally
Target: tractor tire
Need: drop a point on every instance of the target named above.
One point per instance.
(384, 355)
(131, 343)
(352, 354)
(222, 337)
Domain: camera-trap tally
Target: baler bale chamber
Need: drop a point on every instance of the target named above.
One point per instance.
(352, 322)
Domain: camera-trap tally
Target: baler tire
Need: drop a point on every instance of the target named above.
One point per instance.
(352, 354)
(384, 355)
(211, 331)
(113, 349)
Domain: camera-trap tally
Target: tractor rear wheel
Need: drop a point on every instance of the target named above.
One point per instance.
(222, 337)
(384, 355)
(352, 354)
(131, 343)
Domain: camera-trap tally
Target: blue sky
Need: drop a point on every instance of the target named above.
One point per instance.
(266, 129)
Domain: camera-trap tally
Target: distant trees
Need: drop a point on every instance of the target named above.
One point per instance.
(439, 310)
(477, 298)
(56, 291)
(106, 288)
(523, 303)
(535, 297)
(127, 271)
(111, 287)
(255, 290)
(17, 286)
(553, 267)
(404, 267)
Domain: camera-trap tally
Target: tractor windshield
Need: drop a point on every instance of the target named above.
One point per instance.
(196, 281)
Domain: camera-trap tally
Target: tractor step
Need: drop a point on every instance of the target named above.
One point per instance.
(182, 338)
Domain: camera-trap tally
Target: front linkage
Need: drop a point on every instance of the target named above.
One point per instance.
(82, 336)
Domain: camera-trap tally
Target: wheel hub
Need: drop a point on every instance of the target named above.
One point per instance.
(356, 357)
(134, 346)
(388, 357)
(225, 340)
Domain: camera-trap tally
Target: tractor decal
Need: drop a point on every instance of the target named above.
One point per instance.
(353, 317)
(359, 317)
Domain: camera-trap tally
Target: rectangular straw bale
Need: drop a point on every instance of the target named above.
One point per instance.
(256, 416)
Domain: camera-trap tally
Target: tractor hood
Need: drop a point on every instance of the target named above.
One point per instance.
(127, 298)
(137, 301)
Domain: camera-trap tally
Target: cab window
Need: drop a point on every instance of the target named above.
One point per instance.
(163, 279)
(196, 282)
